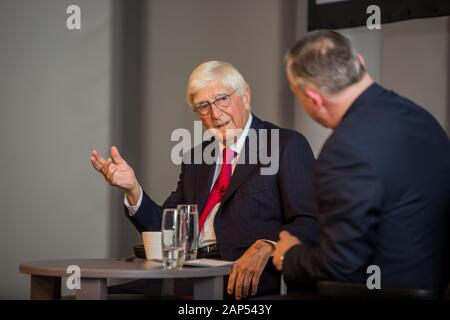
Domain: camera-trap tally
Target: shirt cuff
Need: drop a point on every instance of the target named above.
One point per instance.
(133, 209)
(270, 241)
(274, 243)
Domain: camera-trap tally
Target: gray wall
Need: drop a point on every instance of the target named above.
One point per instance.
(415, 63)
(55, 96)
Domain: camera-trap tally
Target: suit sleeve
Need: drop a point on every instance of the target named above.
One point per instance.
(296, 189)
(149, 215)
(348, 197)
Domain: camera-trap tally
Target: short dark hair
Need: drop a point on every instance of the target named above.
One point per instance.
(326, 59)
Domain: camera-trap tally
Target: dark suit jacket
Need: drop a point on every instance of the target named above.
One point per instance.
(382, 189)
(254, 206)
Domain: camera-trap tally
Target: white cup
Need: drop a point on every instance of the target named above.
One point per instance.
(152, 244)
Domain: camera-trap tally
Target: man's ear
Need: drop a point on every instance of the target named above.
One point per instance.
(362, 60)
(246, 97)
(315, 97)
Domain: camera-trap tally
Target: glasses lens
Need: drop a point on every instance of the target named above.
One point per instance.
(223, 101)
(203, 108)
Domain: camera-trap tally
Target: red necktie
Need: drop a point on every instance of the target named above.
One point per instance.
(220, 186)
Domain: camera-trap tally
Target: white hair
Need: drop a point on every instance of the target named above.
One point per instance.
(210, 71)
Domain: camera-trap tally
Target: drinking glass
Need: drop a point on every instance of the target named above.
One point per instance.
(189, 214)
(173, 239)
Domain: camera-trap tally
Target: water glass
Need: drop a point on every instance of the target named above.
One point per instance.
(173, 239)
(190, 223)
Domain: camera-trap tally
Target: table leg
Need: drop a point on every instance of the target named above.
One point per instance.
(208, 288)
(156, 288)
(45, 288)
(167, 288)
(92, 289)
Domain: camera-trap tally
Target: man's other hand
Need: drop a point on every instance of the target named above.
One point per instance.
(286, 241)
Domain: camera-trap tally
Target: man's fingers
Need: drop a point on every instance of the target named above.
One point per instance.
(276, 259)
(116, 155)
(284, 234)
(246, 284)
(238, 285)
(109, 177)
(255, 283)
(97, 166)
(231, 281)
(97, 160)
(277, 263)
(105, 166)
(98, 157)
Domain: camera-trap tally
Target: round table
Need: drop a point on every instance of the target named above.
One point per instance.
(46, 277)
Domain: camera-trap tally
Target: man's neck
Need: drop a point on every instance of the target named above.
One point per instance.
(340, 103)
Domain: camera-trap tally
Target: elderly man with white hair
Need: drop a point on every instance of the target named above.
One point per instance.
(241, 210)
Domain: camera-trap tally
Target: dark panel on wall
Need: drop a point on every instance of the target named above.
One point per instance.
(128, 50)
(352, 13)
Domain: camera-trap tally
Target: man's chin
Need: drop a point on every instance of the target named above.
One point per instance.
(226, 136)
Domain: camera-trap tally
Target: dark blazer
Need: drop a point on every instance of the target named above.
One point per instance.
(382, 189)
(254, 206)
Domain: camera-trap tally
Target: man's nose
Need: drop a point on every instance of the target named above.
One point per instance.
(215, 111)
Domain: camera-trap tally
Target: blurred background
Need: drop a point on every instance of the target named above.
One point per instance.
(120, 80)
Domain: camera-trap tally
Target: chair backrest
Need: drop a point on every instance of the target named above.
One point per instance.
(344, 290)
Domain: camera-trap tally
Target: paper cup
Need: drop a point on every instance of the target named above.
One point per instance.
(152, 245)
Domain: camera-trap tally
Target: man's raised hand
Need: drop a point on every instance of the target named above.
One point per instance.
(117, 172)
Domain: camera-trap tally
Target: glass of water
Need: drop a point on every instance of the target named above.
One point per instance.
(189, 214)
(173, 239)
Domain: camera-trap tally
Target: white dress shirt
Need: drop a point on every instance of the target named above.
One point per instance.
(207, 235)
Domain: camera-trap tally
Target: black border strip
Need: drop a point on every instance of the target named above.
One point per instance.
(352, 13)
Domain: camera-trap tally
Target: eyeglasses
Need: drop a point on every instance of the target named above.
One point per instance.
(222, 102)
